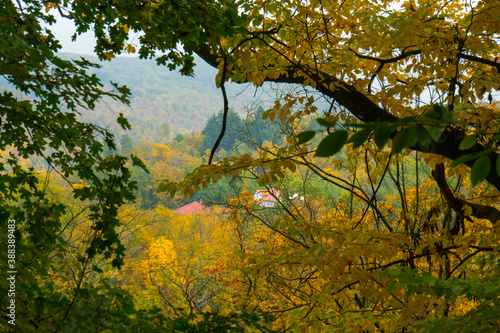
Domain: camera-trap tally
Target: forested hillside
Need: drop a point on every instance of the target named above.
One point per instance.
(160, 96)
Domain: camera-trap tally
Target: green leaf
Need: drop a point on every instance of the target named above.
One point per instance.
(363, 125)
(325, 123)
(305, 136)
(468, 157)
(412, 136)
(331, 144)
(400, 141)
(427, 278)
(432, 114)
(136, 161)
(392, 285)
(462, 159)
(447, 116)
(457, 290)
(435, 132)
(467, 142)
(439, 112)
(381, 135)
(314, 248)
(491, 290)
(359, 138)
(162, 187)
(123, 122)
(172, 191)
(423, 136)
(366, 19)
(480, 170)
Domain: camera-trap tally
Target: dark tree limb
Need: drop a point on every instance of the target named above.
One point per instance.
(390, 60)
(226, 110)
(479, 211)
(479, 60)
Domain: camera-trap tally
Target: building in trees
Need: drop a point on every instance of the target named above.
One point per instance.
(267, 198)
(194, 207)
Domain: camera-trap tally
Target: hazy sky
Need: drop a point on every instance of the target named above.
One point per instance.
(64, 29)
(84, 44)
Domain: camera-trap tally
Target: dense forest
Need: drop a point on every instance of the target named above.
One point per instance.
(159, 96)
(355, 188)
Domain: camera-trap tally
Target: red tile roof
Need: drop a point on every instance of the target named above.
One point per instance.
(193, 208)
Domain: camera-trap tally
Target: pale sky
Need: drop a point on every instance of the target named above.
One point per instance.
(84, 44)
(64, 29)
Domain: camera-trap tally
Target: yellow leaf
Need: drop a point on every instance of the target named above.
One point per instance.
(50, 6)
(467, 209)
(109, 55)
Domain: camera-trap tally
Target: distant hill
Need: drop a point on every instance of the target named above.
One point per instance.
(161, 96)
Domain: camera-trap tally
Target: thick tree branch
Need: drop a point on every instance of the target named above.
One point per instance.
(480, 60)
(390, 60)
(479, 211)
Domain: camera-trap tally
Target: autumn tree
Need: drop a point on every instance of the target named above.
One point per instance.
(164, 133)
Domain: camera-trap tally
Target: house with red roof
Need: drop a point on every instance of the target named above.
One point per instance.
(194, 207)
